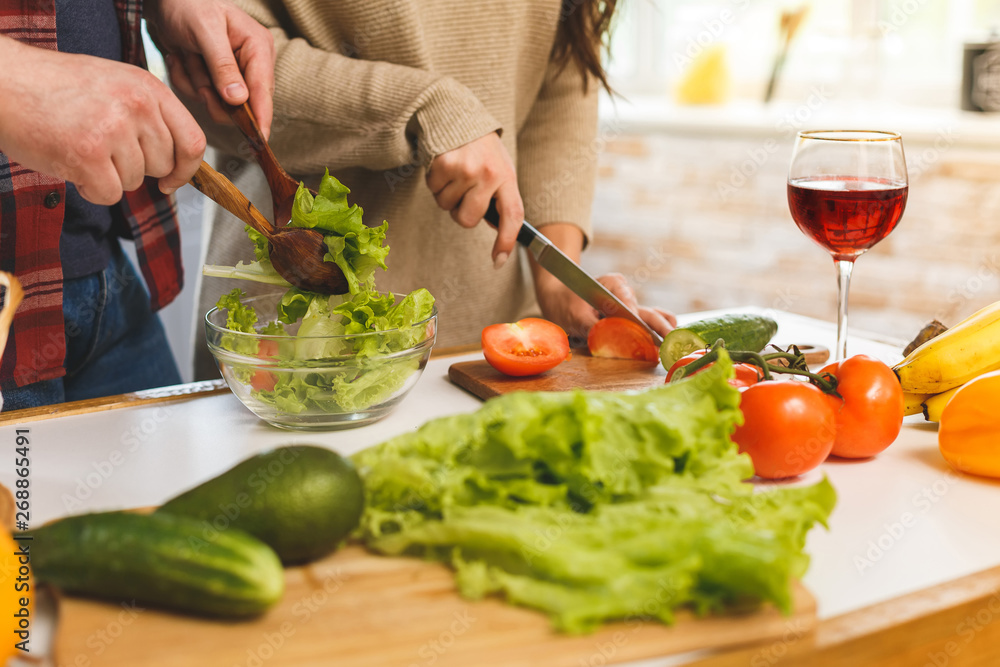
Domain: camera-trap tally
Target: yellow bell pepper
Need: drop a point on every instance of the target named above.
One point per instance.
(969, 432)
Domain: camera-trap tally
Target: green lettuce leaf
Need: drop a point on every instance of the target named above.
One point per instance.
(339, 391)
(239, 318)
(355, 374)
(295, 304)
(358, 253)
(274, 329)
(260, 245)
(369, 378)
(328, 211)
(356, 248)
(415, 307)
(582, 504)
(318, 330)
(259, 272)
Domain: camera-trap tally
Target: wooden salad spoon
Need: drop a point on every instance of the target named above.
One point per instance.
(283, 187)
(296, 253)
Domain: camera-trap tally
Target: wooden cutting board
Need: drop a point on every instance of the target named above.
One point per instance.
(581, 371)
(355, 609)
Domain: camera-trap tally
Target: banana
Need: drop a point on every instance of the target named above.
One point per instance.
(968, 349)
(913, 404)
(933, 406)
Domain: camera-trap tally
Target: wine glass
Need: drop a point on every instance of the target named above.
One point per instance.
(846, 191)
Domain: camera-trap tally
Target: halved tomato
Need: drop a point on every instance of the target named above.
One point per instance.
(527, 347)
(619, 338)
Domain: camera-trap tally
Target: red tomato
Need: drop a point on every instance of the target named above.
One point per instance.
(267, 349)
(528, 347)
(788, 428)
(746, 374)
(871, 414)
(265, 380)
(618, 338)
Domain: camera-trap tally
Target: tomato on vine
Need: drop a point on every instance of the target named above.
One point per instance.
(870, 414)
(746, 374)
(788, 428)
(852, 409)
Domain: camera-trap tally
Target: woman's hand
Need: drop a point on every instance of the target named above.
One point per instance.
(464, 180)
(560, 305)
(214, 50)
(576, 316)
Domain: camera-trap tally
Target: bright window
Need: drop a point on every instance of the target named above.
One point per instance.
(906, 51)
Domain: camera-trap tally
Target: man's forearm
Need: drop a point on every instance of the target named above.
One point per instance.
(9, 53)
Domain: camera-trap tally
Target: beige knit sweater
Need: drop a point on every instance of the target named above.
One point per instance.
(374, 89)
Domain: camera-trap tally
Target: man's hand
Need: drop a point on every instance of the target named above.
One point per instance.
(464, 180)
(214, 50)
(100, 124)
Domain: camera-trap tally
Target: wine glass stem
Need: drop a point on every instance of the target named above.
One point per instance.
(844, 268)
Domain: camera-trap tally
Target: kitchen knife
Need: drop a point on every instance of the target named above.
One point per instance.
(553, 260)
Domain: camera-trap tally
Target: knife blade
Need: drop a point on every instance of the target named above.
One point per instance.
(555, 261)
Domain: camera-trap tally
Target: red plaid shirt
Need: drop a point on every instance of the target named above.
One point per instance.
(31, 220)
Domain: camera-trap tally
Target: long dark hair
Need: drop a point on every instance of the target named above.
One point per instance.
(583, 29)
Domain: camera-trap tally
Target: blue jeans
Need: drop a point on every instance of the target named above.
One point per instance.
(114, 342)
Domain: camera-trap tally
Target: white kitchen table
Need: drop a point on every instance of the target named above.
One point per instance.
(908, 574)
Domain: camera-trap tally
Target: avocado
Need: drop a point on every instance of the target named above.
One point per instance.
(301, 500)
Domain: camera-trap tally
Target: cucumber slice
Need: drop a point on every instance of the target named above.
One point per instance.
(740, 332)
(678, 343)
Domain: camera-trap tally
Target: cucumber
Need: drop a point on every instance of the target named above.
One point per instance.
(740, 332)
(159, 560)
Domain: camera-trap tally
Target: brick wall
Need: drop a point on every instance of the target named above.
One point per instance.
(700, 222)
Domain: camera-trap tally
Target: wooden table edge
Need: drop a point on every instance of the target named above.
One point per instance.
(179, 392)
(939, 623)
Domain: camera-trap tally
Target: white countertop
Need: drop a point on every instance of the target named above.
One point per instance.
(903, 521)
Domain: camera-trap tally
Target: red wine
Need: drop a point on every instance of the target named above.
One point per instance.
(844, 214)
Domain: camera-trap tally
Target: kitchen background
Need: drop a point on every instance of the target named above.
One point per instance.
(692, 162)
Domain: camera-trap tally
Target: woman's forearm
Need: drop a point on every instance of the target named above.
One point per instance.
(568, 238)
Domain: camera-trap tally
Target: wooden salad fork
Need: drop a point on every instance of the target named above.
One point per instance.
(283, 187)
(296, 253)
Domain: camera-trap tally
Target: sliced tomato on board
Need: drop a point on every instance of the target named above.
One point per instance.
(618, 338)
(527, 347)
(746, 374)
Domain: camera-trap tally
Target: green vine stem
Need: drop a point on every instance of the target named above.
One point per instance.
(796, 365)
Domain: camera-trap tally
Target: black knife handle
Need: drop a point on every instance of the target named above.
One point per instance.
(525, 235)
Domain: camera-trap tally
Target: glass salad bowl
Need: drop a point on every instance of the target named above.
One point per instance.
(316, 381)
